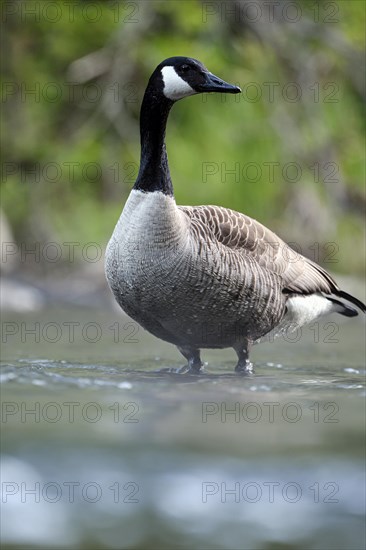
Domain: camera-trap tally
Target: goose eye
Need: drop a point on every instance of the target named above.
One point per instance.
(184, 68)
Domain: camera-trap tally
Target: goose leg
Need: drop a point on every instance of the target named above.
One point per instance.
(194, 360)
(243, 366)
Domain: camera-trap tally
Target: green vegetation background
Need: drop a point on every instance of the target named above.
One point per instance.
(90, 76)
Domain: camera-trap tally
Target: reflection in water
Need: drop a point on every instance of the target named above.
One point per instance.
(104, 448)
(206, 502)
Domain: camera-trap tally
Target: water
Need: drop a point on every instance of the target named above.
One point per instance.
(120, 453)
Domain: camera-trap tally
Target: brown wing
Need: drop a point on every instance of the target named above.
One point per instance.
(253, 240)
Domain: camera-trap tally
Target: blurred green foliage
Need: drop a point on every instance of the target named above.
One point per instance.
(71, 149)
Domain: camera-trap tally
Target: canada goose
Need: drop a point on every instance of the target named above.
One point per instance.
(205, 276)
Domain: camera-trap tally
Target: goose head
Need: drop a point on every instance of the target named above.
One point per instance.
(179, 77)
(173, 79)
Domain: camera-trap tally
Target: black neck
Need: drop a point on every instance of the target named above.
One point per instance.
(154, 172)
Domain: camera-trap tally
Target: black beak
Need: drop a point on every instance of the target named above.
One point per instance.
(215, 84)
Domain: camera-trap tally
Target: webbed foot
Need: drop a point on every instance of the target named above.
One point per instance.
(244, 366)
(186, 369)
(195, 365)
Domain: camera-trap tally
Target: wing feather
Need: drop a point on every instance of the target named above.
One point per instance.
(252, 241)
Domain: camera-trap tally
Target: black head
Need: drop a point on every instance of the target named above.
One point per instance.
(179, 77)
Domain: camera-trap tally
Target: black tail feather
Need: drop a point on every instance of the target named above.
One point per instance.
(353, 300)
(344, 309)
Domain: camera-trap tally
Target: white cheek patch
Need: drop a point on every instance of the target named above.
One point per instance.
(174, 86)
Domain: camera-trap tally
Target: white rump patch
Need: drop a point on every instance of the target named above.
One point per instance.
(174, 86)
(301, 310)
(304, 309)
